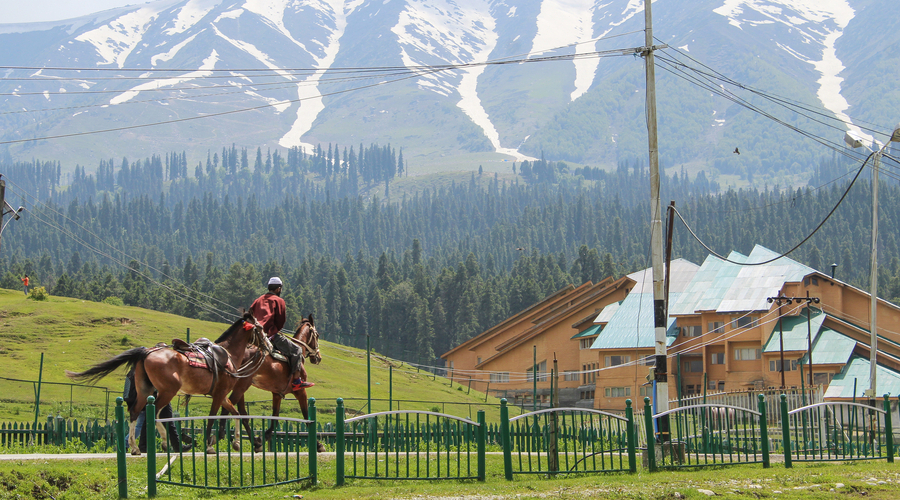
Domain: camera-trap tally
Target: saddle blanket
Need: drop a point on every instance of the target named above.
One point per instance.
(196, 360)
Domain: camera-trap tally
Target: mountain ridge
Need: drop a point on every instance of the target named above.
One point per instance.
(204, 57)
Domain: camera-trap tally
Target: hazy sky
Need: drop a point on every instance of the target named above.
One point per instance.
(29, 11)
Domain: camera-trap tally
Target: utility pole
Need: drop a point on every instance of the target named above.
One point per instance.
(2, 202)
(809, 300)
(661, 398)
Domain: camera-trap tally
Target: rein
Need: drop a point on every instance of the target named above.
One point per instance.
(313, 333)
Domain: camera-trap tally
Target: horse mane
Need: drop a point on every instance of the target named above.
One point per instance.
(235, 327)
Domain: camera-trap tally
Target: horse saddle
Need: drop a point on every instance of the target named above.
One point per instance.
(204, 354)
(280, 356)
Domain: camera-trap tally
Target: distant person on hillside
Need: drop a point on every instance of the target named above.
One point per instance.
(271, 312)
(25, 282)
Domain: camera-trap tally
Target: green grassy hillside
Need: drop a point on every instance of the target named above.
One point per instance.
(73, 334)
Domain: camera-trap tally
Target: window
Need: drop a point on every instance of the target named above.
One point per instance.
(617, 360)
(692, 366)
(716, 327)
(589, 376)
(789, 365)
(746, 322)
(478, 362)
(808, 281)
(692, 331)
(649, 360)
(717, 358)
(721, 386)
(586, 343)
(646, 391)
(618, 392)
(711, 385)
(689, 390)
(587, 395)
(747, 354)
(541, 372)
(500, 378)
(570, 376)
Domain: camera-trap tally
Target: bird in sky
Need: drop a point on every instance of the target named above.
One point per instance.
(737, 151)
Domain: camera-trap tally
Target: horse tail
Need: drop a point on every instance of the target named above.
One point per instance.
(100, 370)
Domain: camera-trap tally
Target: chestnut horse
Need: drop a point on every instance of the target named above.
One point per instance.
(167, 372)
(275, 376)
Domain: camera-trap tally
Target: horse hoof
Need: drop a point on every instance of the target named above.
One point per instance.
(210, 451)
(136, 453)
(236, 446)
(320, 448)
(258, 449)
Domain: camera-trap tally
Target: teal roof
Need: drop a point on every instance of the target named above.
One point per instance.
(857, 370)
(607, 313)
(795, 332)
(594, 330)
(725, 287)
(632, 325)
(831, 348)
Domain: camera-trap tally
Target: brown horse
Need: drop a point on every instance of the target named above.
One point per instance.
(167, 372)
(275, 376)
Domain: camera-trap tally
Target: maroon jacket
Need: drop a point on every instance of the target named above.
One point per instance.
(271, 312)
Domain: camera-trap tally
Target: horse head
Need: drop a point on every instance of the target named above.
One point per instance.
(308, 338)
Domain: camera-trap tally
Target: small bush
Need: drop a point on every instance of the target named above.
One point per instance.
(125, 340)
(38, 293)
(113, 301)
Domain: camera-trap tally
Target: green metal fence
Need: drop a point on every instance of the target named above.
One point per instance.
(408, 444)
(57, 431)
(705, 435)
(567, 440)
(837, 431)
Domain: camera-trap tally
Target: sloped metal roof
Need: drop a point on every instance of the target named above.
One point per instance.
(795, 332)
(858, 370)
(607, 313)
(753, 284)
(709, 285)
(593, 330)
(831, 348)
(632, 325)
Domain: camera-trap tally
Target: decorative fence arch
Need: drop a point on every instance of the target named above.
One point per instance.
(409, 444)
(567, 440)
(707, 434)
(837, 431)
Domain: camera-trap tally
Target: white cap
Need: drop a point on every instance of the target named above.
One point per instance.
(275, 280)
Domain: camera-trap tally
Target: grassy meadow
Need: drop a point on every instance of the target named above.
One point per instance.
(73, 334)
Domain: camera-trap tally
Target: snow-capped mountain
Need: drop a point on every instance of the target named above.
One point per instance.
(195, 75)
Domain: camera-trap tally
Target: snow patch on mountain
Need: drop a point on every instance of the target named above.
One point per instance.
(116, 40)
(566, 23)
(820, 23)
(272, 13)
(189, 15)
(308, 94)
(208, 64)
(167, 56)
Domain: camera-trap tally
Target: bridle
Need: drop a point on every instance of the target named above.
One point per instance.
(312, 339)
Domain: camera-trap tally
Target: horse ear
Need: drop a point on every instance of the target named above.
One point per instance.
(311, 320)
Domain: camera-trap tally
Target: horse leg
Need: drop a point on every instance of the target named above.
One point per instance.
(302, 398)
(236, 441)
(276, 409)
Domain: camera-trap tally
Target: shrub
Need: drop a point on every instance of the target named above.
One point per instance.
(113, 301)
(38, 293)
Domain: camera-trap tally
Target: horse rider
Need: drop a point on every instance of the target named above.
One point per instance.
(271, 312)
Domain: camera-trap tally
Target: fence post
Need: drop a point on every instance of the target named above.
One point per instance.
(763, 429)
(888, 428)
(651, 439)
(121, 471)
(785, 432)
(311, 437)
(504, 440)
(150, 429)
(482, 433)
(339, 442)
(629, 414)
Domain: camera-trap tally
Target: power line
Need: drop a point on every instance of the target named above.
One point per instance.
(798, 245)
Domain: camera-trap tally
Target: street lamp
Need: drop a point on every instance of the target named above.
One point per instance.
(854, 140)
